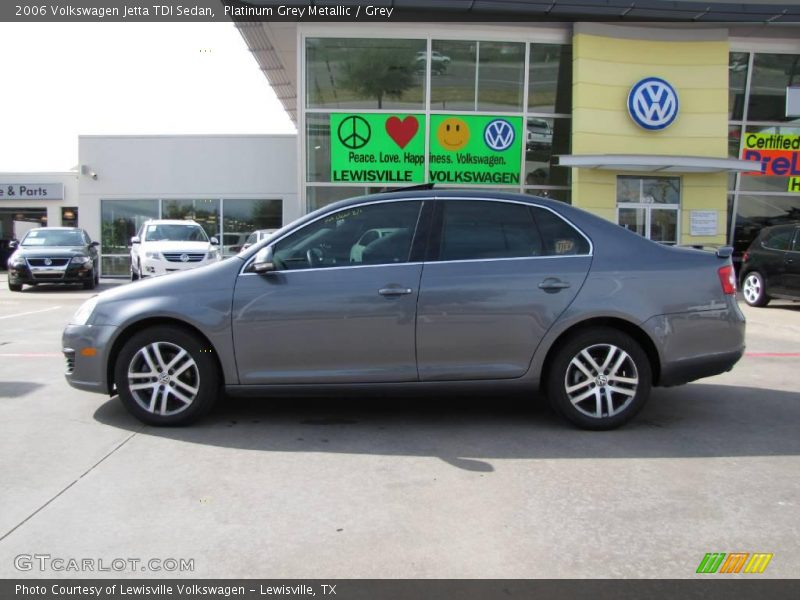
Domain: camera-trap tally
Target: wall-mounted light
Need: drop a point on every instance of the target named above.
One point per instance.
(87, 171)
(69, 215)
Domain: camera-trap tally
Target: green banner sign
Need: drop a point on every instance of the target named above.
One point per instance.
(378, 148)
(476, 150)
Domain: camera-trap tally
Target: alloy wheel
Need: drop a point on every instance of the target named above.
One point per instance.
(601, 381)
(163, 378)
(752, 289)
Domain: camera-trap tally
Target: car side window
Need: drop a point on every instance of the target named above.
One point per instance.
(779, 240)
(481, 229)
(336, 239)
(559, 237)
(796, 244)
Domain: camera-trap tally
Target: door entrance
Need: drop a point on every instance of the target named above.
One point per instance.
(14, 224)
(650, 206)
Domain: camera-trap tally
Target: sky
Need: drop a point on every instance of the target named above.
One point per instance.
(61, 80)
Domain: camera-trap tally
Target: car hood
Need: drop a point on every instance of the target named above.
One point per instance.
(34, 251)
(176, 246)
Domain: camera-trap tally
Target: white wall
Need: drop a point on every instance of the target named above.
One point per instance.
(186, 166)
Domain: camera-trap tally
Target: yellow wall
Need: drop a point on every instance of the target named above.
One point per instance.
(605, 68)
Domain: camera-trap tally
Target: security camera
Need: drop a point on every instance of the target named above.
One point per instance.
(93, 175)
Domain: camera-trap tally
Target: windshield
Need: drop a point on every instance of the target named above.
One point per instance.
(53, 237)
(175, 233)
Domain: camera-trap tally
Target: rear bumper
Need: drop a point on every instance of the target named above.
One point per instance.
(698, 344)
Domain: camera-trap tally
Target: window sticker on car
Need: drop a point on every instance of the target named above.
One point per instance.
(564, 246)
(342, 216)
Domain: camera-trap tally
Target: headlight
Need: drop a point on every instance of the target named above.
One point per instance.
(81, 260)
(16, 263)
(213, 254)
(156, 255)
(82, 315)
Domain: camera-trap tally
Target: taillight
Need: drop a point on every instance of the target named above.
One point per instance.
(746, 256)
(727, 277)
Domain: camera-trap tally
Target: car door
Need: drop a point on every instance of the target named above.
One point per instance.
(792, 264)
(498, 276)
(324, 317)
(772, 258)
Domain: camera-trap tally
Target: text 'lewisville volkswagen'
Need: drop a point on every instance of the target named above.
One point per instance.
(493, 291)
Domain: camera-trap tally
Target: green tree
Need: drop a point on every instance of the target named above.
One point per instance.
(379, 73)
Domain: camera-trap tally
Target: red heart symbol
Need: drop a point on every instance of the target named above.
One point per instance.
(402, 131)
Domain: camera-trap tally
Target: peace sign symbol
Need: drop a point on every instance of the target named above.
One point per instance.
(354, 132)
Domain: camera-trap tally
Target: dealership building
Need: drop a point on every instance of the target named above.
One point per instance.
(687, 132)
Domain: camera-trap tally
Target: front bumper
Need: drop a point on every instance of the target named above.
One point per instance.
(72, 274)
(154, 267)
(699, 343)
(87, 349)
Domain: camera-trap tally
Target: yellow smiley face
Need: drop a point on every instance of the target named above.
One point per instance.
(453, 134)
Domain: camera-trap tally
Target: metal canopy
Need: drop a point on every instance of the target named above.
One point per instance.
(658, 164)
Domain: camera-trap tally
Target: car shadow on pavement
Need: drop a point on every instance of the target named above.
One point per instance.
(698, 420)
(47, 288)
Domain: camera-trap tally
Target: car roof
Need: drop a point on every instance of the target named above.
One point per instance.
(171, 222)
(54, 228)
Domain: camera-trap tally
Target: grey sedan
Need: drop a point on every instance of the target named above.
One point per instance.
(469, 290)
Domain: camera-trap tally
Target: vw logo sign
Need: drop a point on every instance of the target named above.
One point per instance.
(184, 258)
(498, 135)
(653, 103)
(48, 262)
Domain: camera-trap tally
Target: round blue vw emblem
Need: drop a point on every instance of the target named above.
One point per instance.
(653, 103)
(498, 135)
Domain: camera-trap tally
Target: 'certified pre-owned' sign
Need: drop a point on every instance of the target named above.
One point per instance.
(464, 149)
(31, 191)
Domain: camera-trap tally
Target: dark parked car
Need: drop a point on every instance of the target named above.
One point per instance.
(53, 255)
(469, 290)
(771, 265)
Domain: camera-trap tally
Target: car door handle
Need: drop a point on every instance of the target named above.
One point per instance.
(394, 291)
(551, 284)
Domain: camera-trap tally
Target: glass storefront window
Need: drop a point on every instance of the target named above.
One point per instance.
(545, 137)
(737, 77)
(243, 217)
(755, 211)
(501, 76)
(648, 190)
(204, 212)
(319, 196)
(734, 140)
(550, 78)
(365, 73)
(772, 74)
(121, 220)
(318, 147)
(453, 68)
(69, 216)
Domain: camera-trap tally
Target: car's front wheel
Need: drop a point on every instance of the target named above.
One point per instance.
(92, 283)
(754, 290)
(167, 376)
(15, 287)
(599, 379)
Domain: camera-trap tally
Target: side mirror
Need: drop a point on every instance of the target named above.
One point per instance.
(94, 244)
(214, 241)
(135, 240)
(264, 261)
(13, 244)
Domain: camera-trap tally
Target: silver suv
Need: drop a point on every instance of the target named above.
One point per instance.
(471, 290)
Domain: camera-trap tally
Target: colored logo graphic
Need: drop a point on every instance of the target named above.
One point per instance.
(653, 103)
(403, 131)
(453, 134)
(716, 562)
(498, 135)
(354, 132)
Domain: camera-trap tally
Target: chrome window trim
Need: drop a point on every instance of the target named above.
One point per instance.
(435, 199)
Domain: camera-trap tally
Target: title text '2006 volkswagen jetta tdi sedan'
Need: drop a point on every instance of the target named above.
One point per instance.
(467, 289)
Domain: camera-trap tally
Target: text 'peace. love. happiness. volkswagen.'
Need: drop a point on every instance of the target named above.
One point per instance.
(478, 290)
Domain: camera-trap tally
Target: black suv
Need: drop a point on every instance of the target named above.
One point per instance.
(771, 265)
(53, 255)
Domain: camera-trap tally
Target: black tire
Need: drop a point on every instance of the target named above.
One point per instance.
(15, 287)
(754, 290)
(626, 398)
(92, 283)
(204, 377)
(134, 275)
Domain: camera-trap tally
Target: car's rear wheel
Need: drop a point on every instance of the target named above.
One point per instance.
(599, 378)
(167, 376)
(754, 290)
(15, 287)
